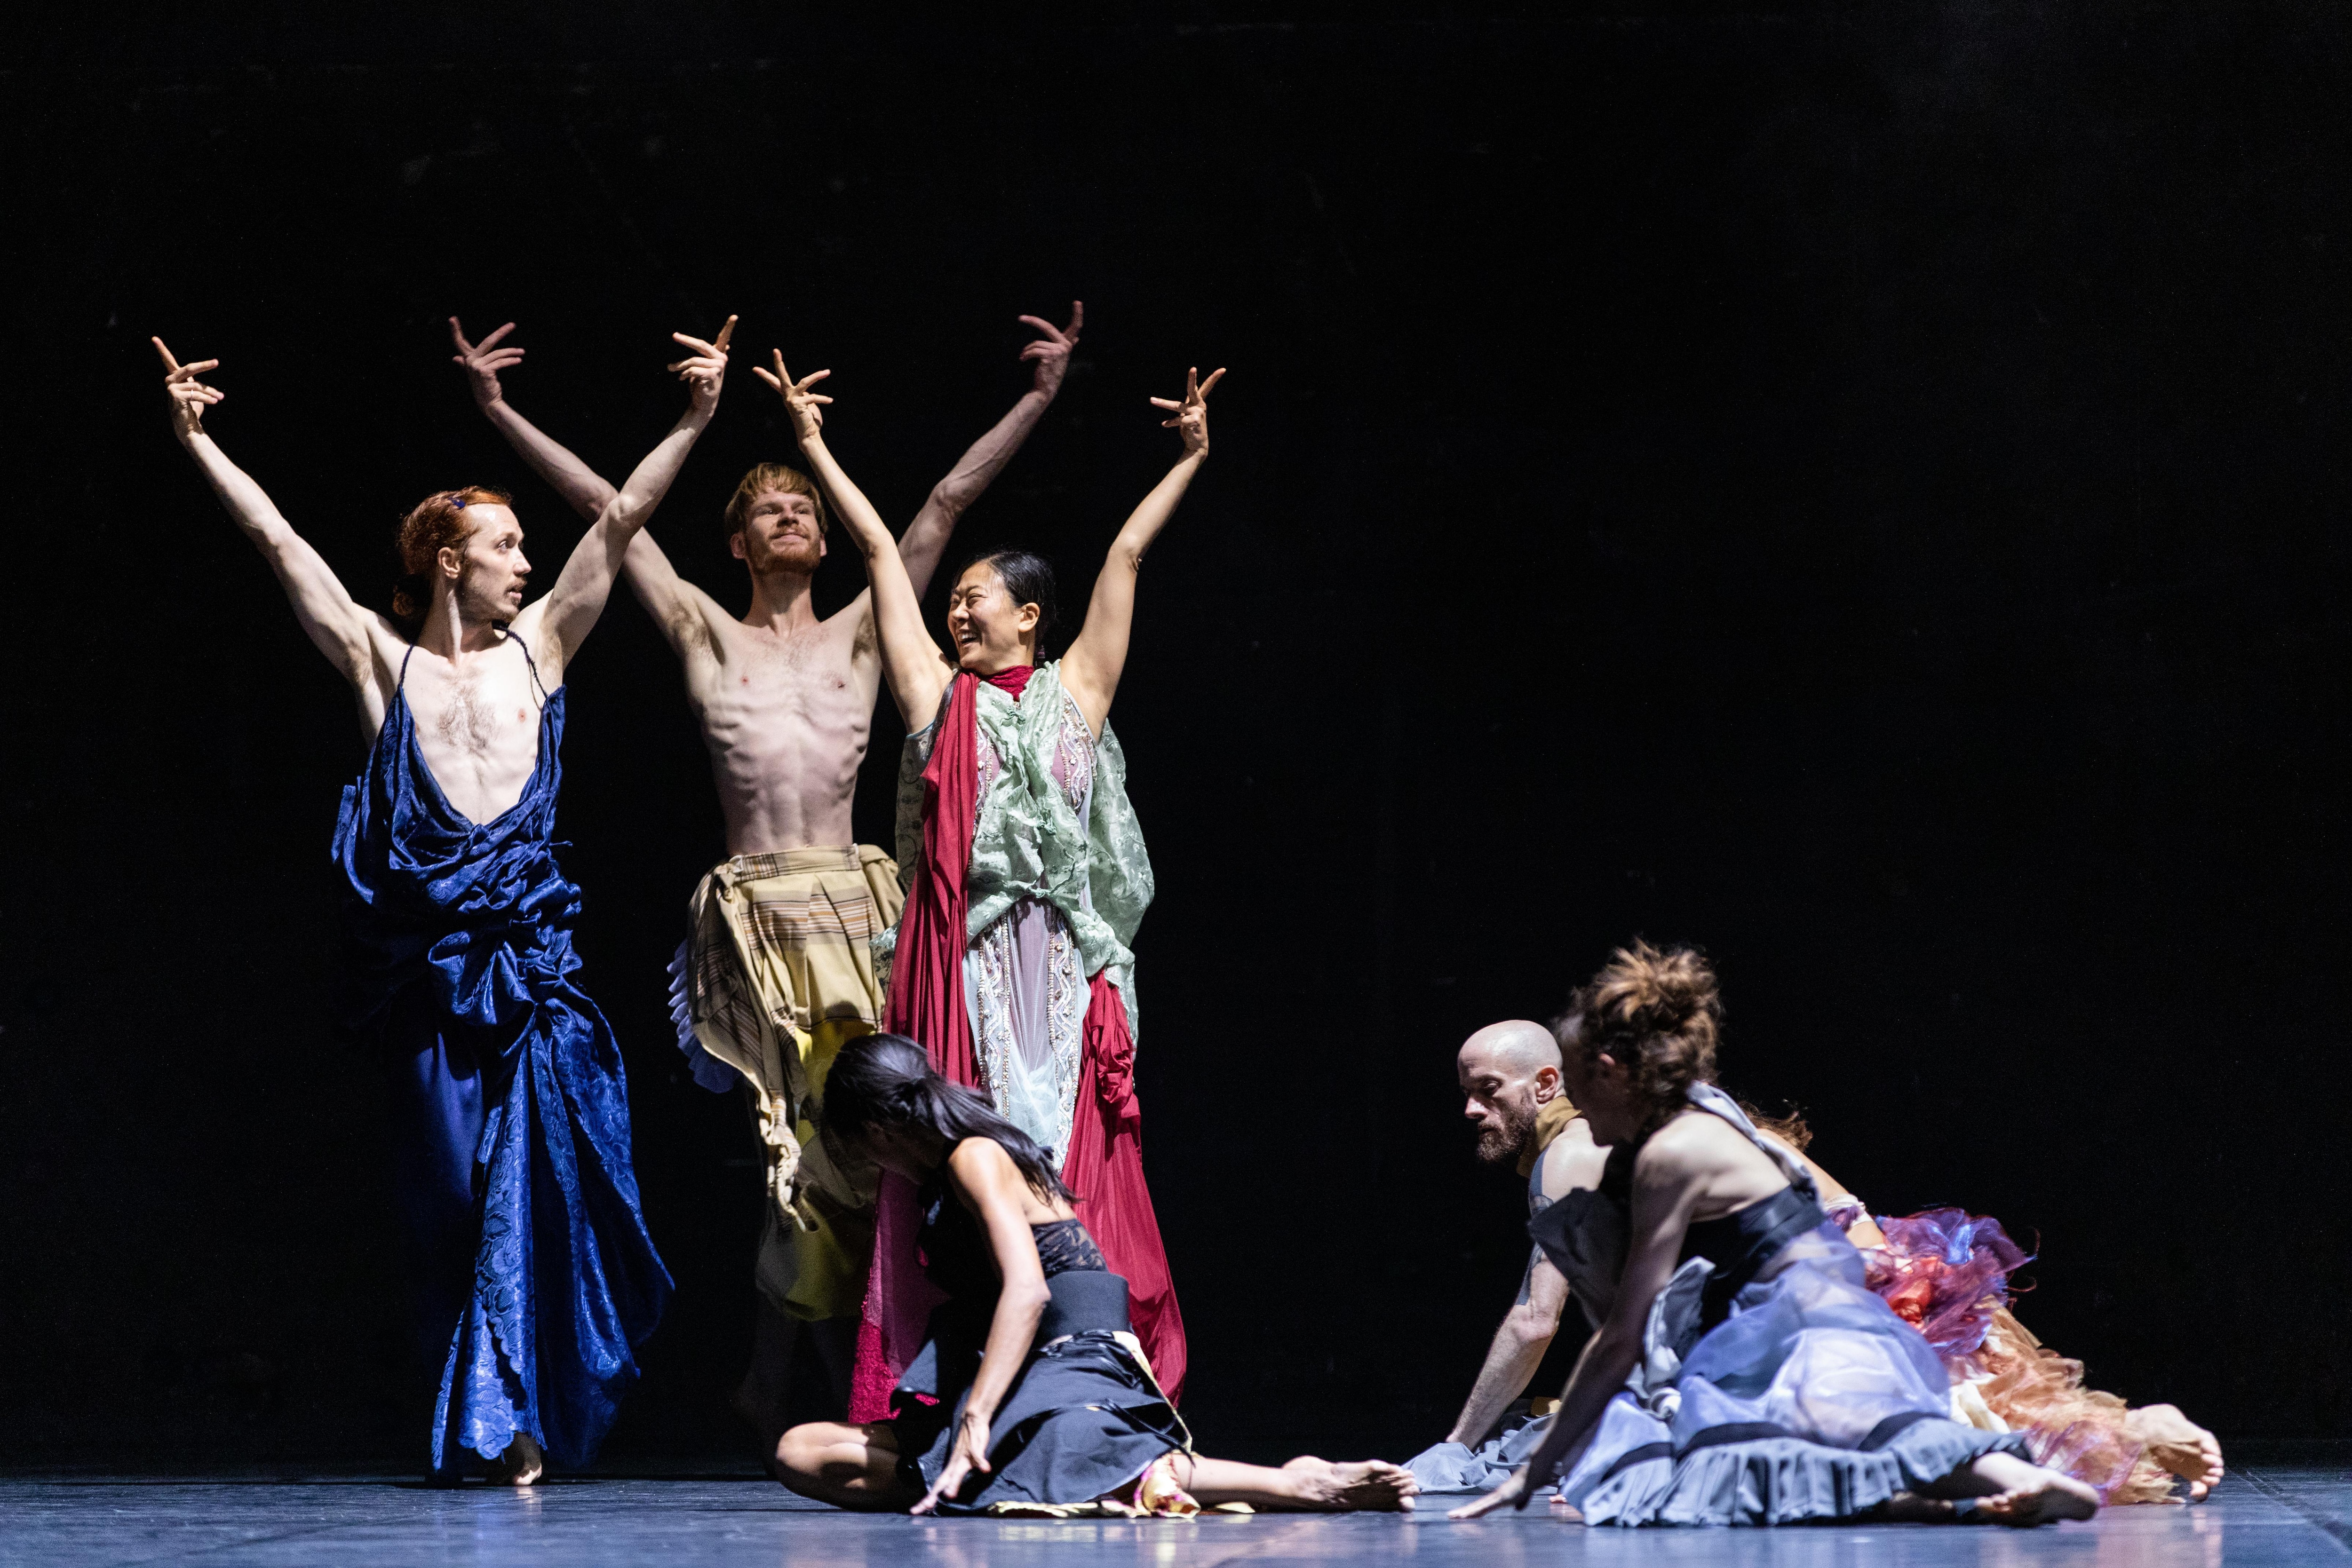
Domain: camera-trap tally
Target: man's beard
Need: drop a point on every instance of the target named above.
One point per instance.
(1500, 1146)
(794, 555)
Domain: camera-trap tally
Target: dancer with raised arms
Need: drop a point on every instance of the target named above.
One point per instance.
(534, 1278)
(1028, 879)
(777, 970)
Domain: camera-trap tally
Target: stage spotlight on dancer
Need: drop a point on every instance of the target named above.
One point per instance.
(1043, 1402)
(1742, 1371)
(535, 1279)
(1028, 878)
(777, 970)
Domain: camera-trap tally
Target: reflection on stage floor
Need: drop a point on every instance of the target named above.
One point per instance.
(2262, 1515)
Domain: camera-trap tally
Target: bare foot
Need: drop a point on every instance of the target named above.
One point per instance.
(2180, 1445)
(2045, 1498)
(522, 1463)
(1338, 1488)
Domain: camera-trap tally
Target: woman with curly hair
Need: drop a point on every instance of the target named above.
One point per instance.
(1743, 1372)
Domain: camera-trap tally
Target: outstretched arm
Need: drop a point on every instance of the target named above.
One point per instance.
(585, 490)
(586, 581)
(1092, 667)
(918, 671)
(668, 597)
(1666, 1186)
(981, 1169)
(926, 538)
(338, 626)
(1518, 1350)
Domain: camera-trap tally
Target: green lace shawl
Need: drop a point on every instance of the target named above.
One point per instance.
(1028, 842)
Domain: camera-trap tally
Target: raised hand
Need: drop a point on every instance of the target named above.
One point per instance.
(1191, 419)
(482, 362)
(805, 407)
(1052, 351)
(190, 397)
(705, 370)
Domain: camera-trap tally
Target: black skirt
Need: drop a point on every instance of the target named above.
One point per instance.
(1084, 1418)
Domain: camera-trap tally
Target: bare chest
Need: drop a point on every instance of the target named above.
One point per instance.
(764, 692)
(477, 726)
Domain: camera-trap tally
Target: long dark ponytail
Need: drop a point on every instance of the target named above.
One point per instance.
(885, 1081)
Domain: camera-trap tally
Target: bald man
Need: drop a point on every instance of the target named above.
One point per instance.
(1509, 1074)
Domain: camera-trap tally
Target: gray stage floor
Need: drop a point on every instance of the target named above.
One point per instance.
(2262, 1516)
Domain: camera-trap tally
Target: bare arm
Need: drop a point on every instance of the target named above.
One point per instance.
(1518, 1350)
(581, 487)
(1667, 1184)
(918, 671)
(1862, 1232)
(986, 1178)
(926, 538)
(670, 600)
(338, 627)
(571, 609)
(1092, 667)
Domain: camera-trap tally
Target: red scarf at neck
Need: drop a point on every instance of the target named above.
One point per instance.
(1012, 682)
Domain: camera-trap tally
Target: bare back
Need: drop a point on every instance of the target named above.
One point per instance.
(787, 717)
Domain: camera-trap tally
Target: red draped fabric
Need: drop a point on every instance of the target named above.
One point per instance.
(1104, 1170)
(1104, 1165)
(926, 1004)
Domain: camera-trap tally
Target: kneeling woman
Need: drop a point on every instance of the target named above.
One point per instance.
(1039, 1396)
(1743, 1372)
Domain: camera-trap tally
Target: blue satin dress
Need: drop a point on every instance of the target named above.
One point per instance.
(532, 1265)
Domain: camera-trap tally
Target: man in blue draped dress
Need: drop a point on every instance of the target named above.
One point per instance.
(535, 1277)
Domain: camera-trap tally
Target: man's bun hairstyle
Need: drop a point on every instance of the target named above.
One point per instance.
(1657, 1013)
(434, 524)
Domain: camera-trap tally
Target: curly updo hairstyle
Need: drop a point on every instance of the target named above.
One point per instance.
(1659, 1014)
(434, 524)
(1027, 579)
(884, 1082)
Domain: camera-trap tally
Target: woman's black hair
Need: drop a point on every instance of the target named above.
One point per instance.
(1027, 579)
(885, 1081)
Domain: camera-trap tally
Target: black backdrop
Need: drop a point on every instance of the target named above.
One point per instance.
(1855, 491)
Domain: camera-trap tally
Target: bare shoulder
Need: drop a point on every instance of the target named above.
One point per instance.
(985, 1175)
(1693, 1144)
(853, 627)
(1573, 1162)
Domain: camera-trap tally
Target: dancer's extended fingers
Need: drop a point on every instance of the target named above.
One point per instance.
(503, 359)
(492, 340)
(458, 336)
(698, 345)
(1166, 402)
(725, 333)
(1077, 319)
(1045, 327)
(171, 365)
(1191, 384)
(762, 371)
(1214, 376)
(199, 368)
(811, 380)
(783, 374)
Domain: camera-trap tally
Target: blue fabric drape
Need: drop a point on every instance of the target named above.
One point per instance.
(459, 961)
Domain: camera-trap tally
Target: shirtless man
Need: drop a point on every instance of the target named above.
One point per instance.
(776, 973)
(457, 922)
(1509, 1074)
